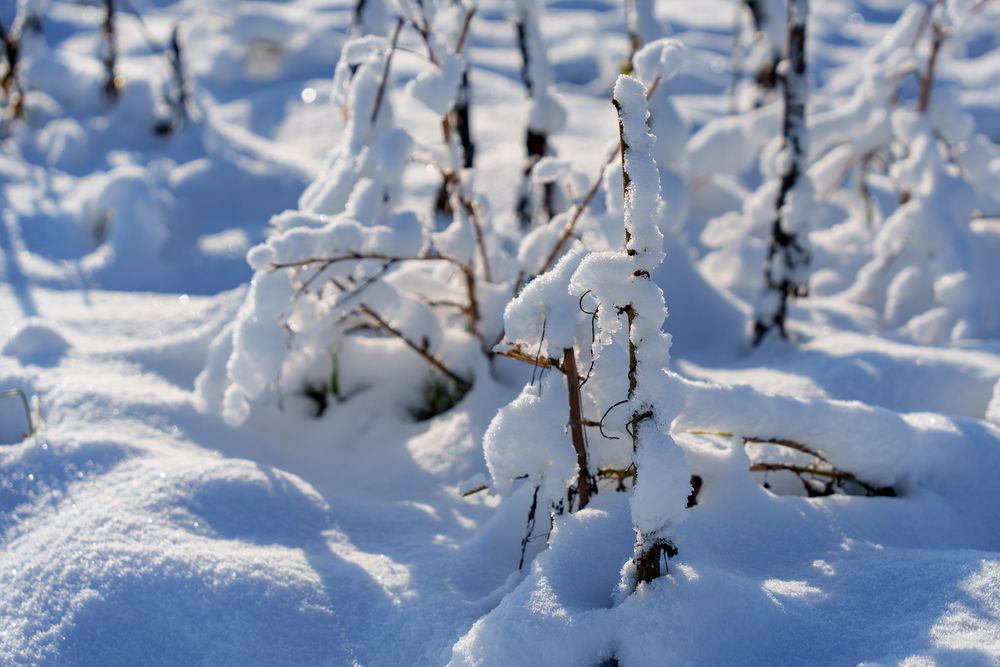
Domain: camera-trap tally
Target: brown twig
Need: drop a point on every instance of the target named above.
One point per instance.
(463, 384)
(784, 442)
(837, 476)
(384, 82)
(112, 81)
(517, 354)
(927, 80)
(472, 309)
(10, 83)
(583, 481)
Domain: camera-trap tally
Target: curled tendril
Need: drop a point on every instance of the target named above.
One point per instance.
(593, 335)
(600, 424)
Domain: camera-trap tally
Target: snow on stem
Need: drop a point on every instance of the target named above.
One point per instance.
(643, 243)
(619, 282)
(787, 262)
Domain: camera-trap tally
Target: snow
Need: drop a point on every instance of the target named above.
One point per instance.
(232, 463)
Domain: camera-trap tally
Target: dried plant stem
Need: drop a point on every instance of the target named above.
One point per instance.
(518, 355)
(323, 263)
(838, 476)
(784, 442)
(421, 349)
(927, 80)
(580, 207)
(788, 253)
(112, 82)
(384, 82)
(10, 83)
(584, 483)
(651, 550)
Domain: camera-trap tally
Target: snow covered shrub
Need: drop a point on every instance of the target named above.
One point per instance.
(922, 276)
(620, 284)
(444, 29)
(628, 355)
(349, 262)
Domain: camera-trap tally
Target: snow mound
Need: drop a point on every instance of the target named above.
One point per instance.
(36, 342)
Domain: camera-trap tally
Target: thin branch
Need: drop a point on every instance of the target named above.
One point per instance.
(838, 476)
(380, 93)
(517, 354)
(583, 480)
(463, 384)
(784, 442)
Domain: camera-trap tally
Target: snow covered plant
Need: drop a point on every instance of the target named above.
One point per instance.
(444, 87)
(546, 115)
(922, 277)
(628, 354)
(656, 63)
(348, 262)
(785, 272)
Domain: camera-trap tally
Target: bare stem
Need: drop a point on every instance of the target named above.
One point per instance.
(838, 476)
(584, 481)
(421, 349)
(380, 93)
(112, 82)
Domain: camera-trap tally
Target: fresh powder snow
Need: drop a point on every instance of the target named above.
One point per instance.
(421, 333)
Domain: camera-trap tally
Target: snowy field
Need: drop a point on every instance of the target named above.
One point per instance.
(292, 401)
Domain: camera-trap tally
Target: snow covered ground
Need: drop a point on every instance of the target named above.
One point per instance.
(140, 526)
